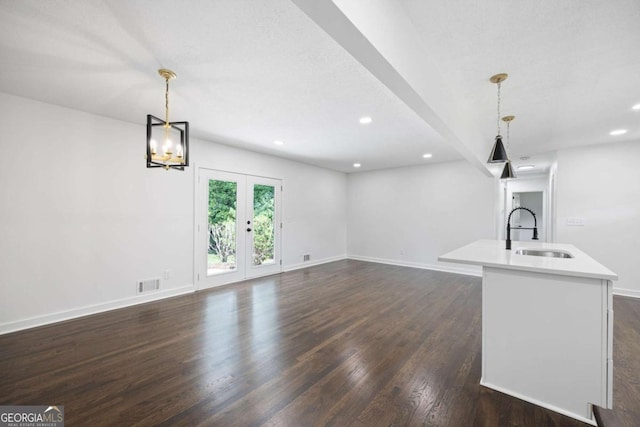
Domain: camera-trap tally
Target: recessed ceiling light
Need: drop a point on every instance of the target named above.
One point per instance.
(636, 107)
(278, 142)
(618, 132)
(365, 120)
(525, 167)
(427, 155)
(356, 165)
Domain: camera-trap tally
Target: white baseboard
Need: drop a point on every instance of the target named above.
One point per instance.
(74, 313)
(539, 403)
(314, 262)
(626, 292)
(469, 271)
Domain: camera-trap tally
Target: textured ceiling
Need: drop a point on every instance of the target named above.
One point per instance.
(251, 72)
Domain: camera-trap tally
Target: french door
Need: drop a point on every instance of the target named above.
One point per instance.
(239, 227)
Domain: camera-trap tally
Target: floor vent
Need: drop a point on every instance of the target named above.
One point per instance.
(148, 285)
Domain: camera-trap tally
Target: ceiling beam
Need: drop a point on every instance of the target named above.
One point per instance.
(379, 35)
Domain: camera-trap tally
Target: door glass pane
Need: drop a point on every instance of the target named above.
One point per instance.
(263, 224)
(221, 254)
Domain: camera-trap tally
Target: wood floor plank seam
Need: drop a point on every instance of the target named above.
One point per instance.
(340, 344)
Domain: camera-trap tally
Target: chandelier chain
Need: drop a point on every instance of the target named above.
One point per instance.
(166, 102)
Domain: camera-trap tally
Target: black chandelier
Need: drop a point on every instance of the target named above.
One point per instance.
(174, 152)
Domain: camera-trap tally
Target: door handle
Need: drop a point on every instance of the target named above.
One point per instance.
(248, 229)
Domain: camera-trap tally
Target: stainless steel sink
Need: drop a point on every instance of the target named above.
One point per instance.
(552, 253)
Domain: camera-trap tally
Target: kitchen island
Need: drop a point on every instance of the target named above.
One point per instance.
(547, 324)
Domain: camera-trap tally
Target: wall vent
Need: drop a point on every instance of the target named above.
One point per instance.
(306, 257)
(148, 285)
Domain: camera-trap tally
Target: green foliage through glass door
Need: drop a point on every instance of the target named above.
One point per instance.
(263, 224)
(222, 226)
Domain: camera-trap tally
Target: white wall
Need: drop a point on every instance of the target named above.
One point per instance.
(81, 218)
(314, 200)
(602, 185)
(410, 216)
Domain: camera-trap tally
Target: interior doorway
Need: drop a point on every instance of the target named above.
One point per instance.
(521, 220)
(239, 227)
(534, 192)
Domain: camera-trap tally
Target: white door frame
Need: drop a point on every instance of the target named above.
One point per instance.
(246, 271)
(251, 270)
(532, 183)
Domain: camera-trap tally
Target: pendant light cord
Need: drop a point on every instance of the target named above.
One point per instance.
(508, 123)
(498, 121)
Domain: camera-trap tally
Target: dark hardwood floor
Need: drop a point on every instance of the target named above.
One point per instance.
(343, 344)
(626, 366)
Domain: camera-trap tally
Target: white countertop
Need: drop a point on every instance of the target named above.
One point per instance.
(492, 253)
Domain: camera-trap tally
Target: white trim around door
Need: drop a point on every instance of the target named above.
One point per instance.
(238, 227)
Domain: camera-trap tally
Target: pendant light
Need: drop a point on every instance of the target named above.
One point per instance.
(507, 172)
(498, 153)
(174, 153)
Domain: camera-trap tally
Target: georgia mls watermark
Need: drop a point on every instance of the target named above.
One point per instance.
(32, 416)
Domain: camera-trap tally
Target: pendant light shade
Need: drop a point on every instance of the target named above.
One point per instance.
(507, 172)
(498, 153)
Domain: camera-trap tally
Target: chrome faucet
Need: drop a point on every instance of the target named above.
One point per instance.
(535, 226)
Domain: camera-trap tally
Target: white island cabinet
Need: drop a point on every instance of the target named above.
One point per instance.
(547, 325)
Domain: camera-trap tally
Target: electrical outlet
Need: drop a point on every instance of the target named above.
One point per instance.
(306, 257)
(576, 221)
(167, 274)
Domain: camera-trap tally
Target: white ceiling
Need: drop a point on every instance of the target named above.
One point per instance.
(251, 72)
(574, 65)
